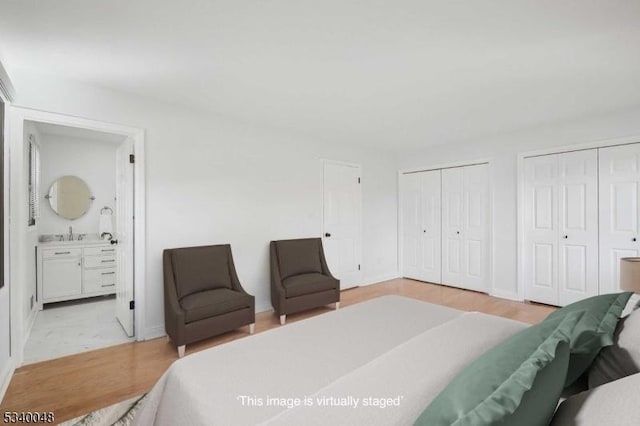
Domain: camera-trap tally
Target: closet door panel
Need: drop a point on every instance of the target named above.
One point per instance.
(619, 169)
(412, 225)
(541, 229)
(452, 226)
(475, 227)
(431, 237)
(578, 225)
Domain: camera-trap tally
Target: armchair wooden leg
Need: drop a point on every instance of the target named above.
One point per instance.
(337, 305)
(283, 318)
(181, 351)
(252, 328)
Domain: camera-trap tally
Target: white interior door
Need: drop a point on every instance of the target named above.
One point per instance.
(578, 225)
(452, 226)
(541, 229)
(342, 213)
(430, 229)
(475, 231)
(411, 225)
(124, 237)
(619, 169)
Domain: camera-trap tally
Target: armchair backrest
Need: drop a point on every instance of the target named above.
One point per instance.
(203, 268)
(296, 257)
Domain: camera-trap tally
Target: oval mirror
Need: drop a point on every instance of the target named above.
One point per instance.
(70, 197)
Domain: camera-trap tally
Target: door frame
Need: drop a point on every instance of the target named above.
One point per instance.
(6, 96)
(490, 238)
(323, 163)
(18, 208)
(520, 177)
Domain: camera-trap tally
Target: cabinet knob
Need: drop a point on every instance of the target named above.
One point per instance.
(326, 234)
(424, 230)
(565, 237)
(634, 239)
(458, 232)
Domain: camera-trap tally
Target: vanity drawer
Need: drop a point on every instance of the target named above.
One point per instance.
(61, 252)
(99, 261)
(99, 280)
(99, 251)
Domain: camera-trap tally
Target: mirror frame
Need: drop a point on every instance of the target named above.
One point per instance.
(49, 197)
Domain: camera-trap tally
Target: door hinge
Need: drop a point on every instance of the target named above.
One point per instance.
(132, 305)
(358, 180)
(358, 267)
(132, 158)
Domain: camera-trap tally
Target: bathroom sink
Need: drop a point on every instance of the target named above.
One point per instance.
(55, 239)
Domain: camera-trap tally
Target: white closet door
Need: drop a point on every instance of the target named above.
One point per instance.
(430, 233)
(541, 229)
(578, 226)
(452, 226)
(619, 215)
(411, 225)
(475, 227)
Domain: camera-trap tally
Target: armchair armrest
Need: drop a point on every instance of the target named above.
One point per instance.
(276, 280)
(323, 263)
(173, 312)
(235, 281)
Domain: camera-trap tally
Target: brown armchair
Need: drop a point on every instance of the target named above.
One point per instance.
(300, 277)
(202, 295)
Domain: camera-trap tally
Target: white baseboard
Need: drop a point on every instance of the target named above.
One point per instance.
(5, 377)
(509, 295)
(153, 333)
(376, 279)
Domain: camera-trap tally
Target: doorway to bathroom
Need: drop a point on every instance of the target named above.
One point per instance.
(78, 245)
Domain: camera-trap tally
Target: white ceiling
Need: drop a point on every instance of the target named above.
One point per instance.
(77, 133)
(402, 73)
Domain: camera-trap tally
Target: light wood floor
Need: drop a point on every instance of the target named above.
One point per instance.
(82, 383)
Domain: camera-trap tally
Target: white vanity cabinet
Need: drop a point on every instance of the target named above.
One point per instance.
(75, 270)
(63, 271)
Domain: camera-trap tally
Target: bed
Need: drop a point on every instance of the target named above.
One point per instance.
(399, 361)
(377, 362)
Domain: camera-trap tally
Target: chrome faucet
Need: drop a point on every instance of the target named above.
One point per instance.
(70, 233)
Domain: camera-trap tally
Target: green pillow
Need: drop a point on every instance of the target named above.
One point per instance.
(594, 331)
(518, 382)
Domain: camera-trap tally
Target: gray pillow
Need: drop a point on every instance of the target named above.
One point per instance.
(623, 357)
(614, 404)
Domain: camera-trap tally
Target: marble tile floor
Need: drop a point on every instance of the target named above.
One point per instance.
(69, 328)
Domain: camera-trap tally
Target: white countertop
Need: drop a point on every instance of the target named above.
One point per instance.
(75, 243)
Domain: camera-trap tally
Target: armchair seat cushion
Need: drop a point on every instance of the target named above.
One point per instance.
(211, 303)
(299, 285)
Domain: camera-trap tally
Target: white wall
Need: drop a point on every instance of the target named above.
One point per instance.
(92, 161)
(212, 180)
(503, 151)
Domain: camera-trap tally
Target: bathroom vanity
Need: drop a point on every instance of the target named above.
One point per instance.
(69, 270)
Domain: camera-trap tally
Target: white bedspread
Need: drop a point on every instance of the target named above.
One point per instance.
(391, 347)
